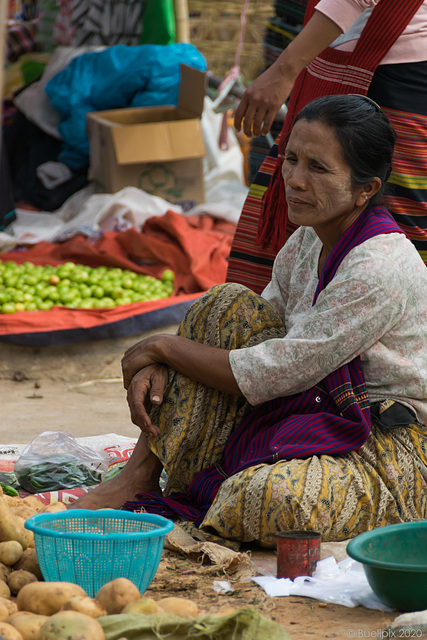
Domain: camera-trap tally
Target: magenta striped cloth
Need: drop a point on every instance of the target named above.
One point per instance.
(331, 418)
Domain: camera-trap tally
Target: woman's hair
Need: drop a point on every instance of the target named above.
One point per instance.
(364, 133)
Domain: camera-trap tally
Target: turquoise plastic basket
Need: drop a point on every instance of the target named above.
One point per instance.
(90, 548)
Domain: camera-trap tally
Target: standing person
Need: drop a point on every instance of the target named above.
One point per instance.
(306, 407)
(372, 47)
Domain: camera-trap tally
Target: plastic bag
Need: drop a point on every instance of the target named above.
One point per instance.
(54, 460)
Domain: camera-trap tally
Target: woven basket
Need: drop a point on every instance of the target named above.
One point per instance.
(215, 30)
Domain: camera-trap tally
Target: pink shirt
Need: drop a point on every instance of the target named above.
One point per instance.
(411, 46)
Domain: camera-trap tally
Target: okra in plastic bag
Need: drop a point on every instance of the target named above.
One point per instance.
(55, 460)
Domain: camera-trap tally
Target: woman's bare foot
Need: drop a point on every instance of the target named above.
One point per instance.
(140, 475)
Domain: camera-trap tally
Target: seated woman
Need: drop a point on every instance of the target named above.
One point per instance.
(305, 407)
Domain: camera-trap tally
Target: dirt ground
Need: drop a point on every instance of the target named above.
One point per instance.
(78, 389)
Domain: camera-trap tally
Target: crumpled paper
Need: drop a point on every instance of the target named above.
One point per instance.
(206, 552)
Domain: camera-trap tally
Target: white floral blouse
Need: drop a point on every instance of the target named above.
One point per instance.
(375, 307)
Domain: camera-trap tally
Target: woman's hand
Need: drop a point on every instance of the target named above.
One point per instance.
(261, 101)
(141, 355)
(208, 365)
(147, 386)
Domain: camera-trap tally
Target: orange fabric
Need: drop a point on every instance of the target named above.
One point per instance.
(196, 248)
(63, 318)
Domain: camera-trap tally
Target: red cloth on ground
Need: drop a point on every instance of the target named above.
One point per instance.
(196, 248)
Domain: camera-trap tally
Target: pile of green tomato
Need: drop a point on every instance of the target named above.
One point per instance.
(29, 287)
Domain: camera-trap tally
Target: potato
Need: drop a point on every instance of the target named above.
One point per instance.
(10, 605)
(143, 605)
(10, 552)
(11, 500)
(86, 605)
(54, 507)
(4, 612)
(8, 632)
(4, 571)
(23, 511)
(179, 607)
(47, 598)
(225, 611)
(71, 624)
(12, 527)
(28, 624)
(116, 594)
(4, 590)
(30, 501)
(29, 562)
(18, 579)
(33, 502)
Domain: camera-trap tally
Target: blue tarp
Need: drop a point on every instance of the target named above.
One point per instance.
(120, 76)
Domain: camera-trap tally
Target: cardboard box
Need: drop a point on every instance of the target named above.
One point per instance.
(157, 149)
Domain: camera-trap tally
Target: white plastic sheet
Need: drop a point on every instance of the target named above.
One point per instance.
(343, 583)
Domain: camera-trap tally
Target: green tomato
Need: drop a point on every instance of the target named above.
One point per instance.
(94, 278)
(97, 292)
(19, 306)
(129, 274)
(108, 303)
(18, 296)
(168, 289)
(127, 283)
(79, 275)
(45, 305)
(30, 305)
(117, 293)
(115, 273)
(62, 272)
(67, 296)
(102, 270)
(124, 300)
(39, 287)
(53, 294)
(8, 307)
(140, 286)
(168, 275)
(98, 303)
(29, 278)
(86, 303)
(10, 281)
(85, 291)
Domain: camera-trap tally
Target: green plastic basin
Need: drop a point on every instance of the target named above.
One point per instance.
(395, 562)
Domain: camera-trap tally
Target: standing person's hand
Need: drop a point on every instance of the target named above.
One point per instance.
(261, 102)
(263, 99)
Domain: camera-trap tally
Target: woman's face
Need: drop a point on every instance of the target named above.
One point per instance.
(319, 189)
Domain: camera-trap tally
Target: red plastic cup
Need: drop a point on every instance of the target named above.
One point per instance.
(297, 553)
